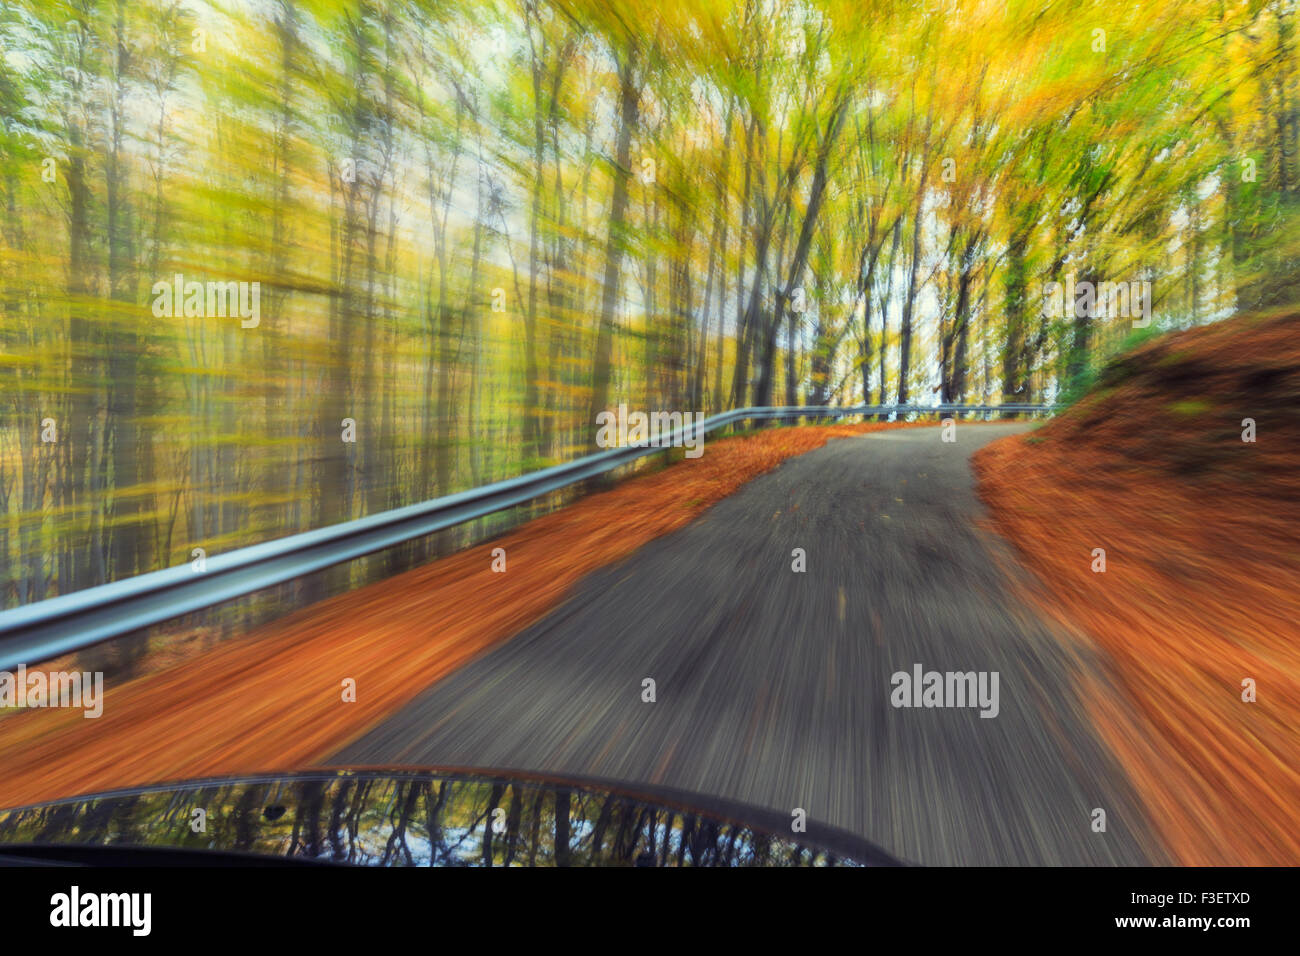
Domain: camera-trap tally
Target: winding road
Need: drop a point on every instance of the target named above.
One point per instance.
(773, 687)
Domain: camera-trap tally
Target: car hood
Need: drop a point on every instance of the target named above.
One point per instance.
(441, 817)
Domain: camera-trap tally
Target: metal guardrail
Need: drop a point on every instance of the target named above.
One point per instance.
(71, 622)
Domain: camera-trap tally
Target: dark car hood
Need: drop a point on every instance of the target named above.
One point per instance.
(418, 818)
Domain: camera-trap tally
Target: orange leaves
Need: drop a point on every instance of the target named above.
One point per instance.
(270, 700)
(1201, 589)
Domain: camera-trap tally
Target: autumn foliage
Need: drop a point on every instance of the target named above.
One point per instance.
(1201, 532)
(272, 699)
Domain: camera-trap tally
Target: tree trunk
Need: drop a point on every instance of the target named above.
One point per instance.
(629, 94)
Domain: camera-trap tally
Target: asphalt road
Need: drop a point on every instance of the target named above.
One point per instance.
(774, 687)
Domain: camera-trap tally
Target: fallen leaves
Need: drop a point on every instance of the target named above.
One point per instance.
(1202, 587)
(270, 700)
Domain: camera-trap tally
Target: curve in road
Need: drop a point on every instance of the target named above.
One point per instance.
(776, 687)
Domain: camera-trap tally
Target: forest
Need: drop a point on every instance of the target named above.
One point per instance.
(269, 265)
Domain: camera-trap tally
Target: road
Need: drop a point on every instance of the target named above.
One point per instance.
(774, 688)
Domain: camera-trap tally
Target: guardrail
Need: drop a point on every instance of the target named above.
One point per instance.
(71, 622)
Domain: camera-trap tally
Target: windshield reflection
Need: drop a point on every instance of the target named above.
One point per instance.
(411, 819)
